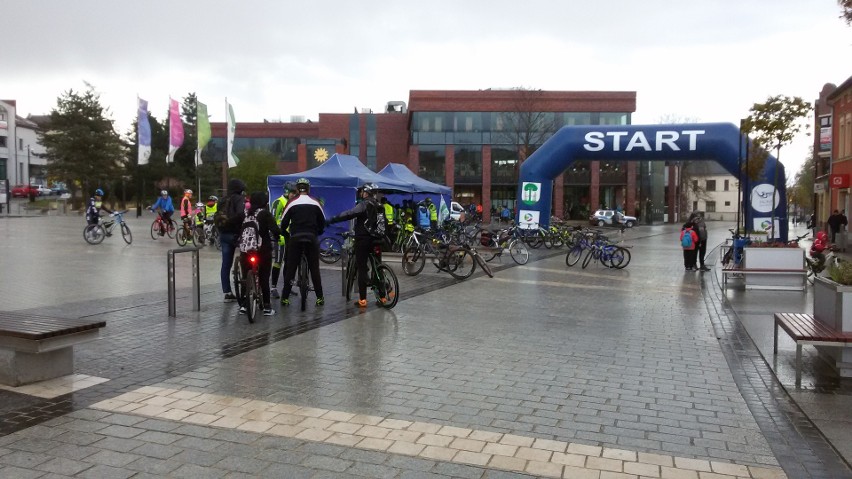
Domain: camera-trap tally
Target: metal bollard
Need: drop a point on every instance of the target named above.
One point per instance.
(196, 278)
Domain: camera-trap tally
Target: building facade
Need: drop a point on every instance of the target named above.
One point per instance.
(471, 141)
(21, 156)
(833, 149)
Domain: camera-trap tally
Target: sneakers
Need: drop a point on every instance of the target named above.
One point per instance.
(704, 268)
(320, 301)
(285, 302)
(229, 297)
(274, 292)
(242, 310)
(689, 268)
(361, 303)
(268, 312)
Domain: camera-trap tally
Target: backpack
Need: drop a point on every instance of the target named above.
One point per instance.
(686, 241)
(375, 223)
(250, 239)
(221, 216)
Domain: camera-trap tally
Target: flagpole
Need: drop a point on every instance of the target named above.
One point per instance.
(225, 163)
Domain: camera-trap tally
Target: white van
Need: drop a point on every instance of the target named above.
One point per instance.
(455, 210)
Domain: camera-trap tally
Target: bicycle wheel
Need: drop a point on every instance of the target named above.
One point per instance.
(387, 286)
(250, 294)
(125, 233)
(574, 255)
(303, 282)
(589, 256)
(620, 258)
(171, 229)
(460, 264)
(155, 230)
(237, 275)
(198, 237)
(413, 261)
(482, 264)
(492, 243)
(94, 234)
(547, 240)
(330, 249)
(519, 252)
(534, 239)
(180, 237)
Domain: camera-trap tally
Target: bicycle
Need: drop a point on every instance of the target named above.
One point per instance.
(247, 284)
(502, 241)
(188, 232)
(160, 228)
(95, 233)
(330, 249)
(735, 253)
(382, 280)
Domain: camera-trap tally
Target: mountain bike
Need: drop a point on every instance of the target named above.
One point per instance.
(161, 228)
(330, 249)
(247, 283)
(95, 233)
(382, 280)
(189, 232)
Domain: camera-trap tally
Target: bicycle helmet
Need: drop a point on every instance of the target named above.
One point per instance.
(213, 198)
(164, 193)
(289, 186)
(199, 204)
(369, 188)
(99, 192)
(187, 192)
(302, 184)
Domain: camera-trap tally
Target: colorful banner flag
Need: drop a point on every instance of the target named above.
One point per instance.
(203, 122)
(232, 129)
(143, 131)
(175, 130)
(443, 211)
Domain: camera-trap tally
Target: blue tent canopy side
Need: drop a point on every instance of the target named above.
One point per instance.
(423, 188)
(334, 183)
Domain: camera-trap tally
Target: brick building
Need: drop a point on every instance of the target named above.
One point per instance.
(471, 141)
(833, 147)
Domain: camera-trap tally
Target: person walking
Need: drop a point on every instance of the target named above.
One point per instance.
(230, 215)
(834, 223)
(697, 219)
(688, 240)
(844, 224)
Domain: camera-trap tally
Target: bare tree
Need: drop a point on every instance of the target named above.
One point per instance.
(846, 6)
(524, 125)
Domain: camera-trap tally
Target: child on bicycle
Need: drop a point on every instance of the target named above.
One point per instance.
(268, 232)
(164, 204)
(364, 239)
(93, 211)
(186, 209)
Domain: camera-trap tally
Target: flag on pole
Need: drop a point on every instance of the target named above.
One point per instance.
(203, 126)
(443, 211)
(233, 160)
(175, 130)
(143, 131)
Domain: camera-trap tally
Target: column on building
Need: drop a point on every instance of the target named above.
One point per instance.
(302, 157)
(559, 196)
(450, 166)
(594, 186)
(630, 202)
(671, 193)
(486, 183)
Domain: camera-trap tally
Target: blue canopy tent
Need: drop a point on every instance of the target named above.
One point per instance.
(421, 188)
(335, 182)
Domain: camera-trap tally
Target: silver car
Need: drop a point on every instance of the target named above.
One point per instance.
(606, 218)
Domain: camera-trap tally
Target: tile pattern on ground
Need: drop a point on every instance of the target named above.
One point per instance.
(516, 453)
(57, 387)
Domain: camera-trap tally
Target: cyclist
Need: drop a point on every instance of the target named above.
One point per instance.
(364, 240)
(269, 232)
(186, 210)
(93, 211)
(279, 252)
(209, 214)
(164, 203)
(304, 222)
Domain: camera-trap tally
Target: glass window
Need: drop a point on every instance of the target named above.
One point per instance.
(711, 185)
(727, 185)
(614, 119)
(468, 164)
(354, 135)
(570, 119)
(727, 203)
(503, 164)
(431, 121)
(3, 143)
(711, 207)
(371, 142)
(467, 121)
(432, 163)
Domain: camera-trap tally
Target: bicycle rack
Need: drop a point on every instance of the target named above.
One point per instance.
(196, 278)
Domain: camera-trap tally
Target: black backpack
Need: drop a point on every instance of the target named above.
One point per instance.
(376, 223)
(221, 216)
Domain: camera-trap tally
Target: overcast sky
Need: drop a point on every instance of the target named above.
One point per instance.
(704, 61)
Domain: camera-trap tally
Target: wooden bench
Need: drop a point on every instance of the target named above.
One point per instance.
(806, 329)
(35, 348)
(733, 270)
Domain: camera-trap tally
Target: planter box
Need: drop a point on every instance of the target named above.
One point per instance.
(774, 258)
(833, 306)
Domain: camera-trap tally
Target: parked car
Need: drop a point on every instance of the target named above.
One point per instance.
(605, 218)
(43, 190)
(456, 210)
(59, 189)
(24, 191)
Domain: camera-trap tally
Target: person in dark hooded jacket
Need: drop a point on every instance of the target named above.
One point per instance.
(233, 207)
(267, 230)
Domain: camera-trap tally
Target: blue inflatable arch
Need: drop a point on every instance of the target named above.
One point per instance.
(721, 142)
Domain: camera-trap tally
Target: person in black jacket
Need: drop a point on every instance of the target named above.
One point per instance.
(268, 232)
(231, 207)
(364, 241)
(305, 219)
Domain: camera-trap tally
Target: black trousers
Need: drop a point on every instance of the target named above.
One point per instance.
(689, 257)
(263, 269)
(295, 247)
(363, 247)
(700, 251)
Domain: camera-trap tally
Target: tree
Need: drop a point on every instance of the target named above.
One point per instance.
(801, 192)
(776, 123)
(254, 167)
(846, 6)
(81, 144)
(525, 126)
